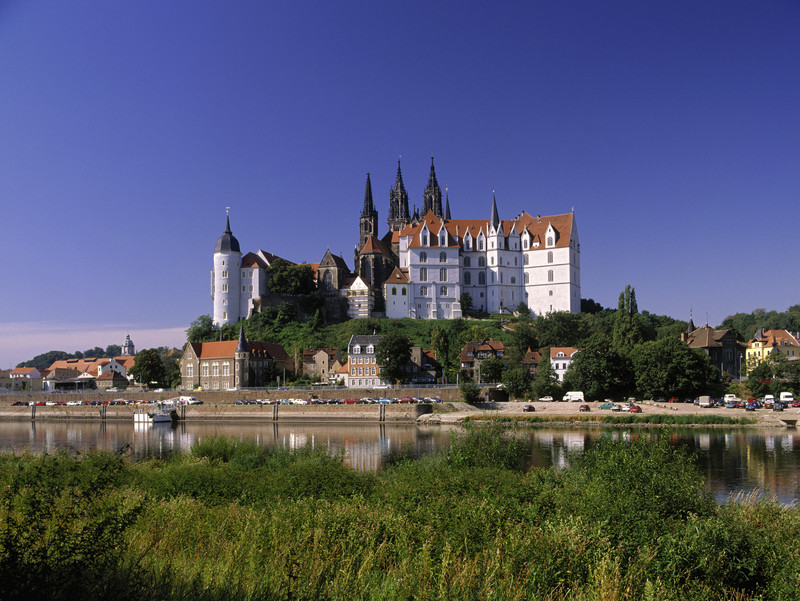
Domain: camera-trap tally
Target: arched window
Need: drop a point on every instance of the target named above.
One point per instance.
(513, 280)
(550, 275)
(491, 260)
(549, 241)
(481, 279)
(423, 275)
(403, 291)
(443, 291)
(481, 261)
(525, 259)
(423, 257)
(480, 244)
(423, 291)
(394, 291)
(467, 278)
(466, 262)
(442, 257)
(443, 275)
(327, 281)
(549, 256)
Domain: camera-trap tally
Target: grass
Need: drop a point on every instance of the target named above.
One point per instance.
(232, 520)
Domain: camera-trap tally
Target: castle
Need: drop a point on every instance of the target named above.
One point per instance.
(424, 267)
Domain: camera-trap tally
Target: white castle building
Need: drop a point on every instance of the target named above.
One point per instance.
(424, 264)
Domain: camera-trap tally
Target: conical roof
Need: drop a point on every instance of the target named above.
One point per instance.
(227, 242)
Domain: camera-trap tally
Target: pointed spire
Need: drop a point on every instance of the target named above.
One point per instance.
(447, 205)
(398, 183)
(242, 346)
(369, 208)
(433, 195)
(494, 218)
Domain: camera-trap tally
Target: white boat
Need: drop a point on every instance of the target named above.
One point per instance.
(161, 413)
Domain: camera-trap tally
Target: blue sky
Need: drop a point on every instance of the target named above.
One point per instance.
(126, 129)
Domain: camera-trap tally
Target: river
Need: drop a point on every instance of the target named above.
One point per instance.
(736, 461)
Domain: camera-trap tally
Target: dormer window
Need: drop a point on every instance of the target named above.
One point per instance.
(443, 237)
(370, 349)
(356, 349)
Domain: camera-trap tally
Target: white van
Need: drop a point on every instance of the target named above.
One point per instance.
(786, 397)
(575, 396)
(704, 401)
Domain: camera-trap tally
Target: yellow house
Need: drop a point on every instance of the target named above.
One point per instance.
(766, 342)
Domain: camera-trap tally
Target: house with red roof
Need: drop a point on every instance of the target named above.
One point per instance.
(26, 378)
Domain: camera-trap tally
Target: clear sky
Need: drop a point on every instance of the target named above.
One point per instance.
(126, 128)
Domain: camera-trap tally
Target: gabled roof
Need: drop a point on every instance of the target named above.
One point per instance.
(374, 246)
(532, 358)
(252, 260)
(23, 370)
(335, 260)
(537, 226)
(398, 276)
(567, 350)
(227, 348)
(776, 338)
(90, 365)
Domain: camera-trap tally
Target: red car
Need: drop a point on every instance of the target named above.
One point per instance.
(584, 408)
(635, 409)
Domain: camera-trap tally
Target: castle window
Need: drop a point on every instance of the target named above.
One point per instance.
(467, 278)
(423, 275)
(423, 257)
(424, 239)
(513, 280)
(423, 291)
(443, 238)
(481, 261)
(525, 259)
(549, 241)
(224, 273)
(480, 244)
(224, 287)
(244, 288)
(491, 260)
(403, 292)
(443, 291)
(526, 243)
(526, 278)
(466, 262)
(394, 291)
(550, 275)
(224, 315)
(550, 256)
(481, 279)
(515, 261)
(442, 257)
(443, 275)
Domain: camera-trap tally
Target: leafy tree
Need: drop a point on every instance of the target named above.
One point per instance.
(94, 352)
(599, 370)
(45, 360)
(201, 329)
(442, 342)
(148, 368)
(627, 329)
(470, 391)
(172, 368)
(521, 338)
(113, 350)
(517, 382)
(546, 383)
(491, 369)
(523, 310)
(393, 352)
(589, 305)
(466, 303)
(286, 313)
(668, 367)
(285, 278)
(773, 376)
(562, 328)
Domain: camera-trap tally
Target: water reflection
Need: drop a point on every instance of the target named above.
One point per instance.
(733, 461)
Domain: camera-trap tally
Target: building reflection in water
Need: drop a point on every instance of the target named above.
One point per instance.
(734, 461)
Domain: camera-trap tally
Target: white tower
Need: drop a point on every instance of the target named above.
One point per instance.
(226, 278)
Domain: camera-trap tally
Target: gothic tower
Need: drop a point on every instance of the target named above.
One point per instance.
(369, 217)
(398, 204)
(432, 200)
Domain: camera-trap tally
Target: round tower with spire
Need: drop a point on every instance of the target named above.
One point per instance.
(225, 278)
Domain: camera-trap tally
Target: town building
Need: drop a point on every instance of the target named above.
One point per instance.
(364, 371)
(476, 352)
(319, 363)
(423, 265)
(26, 378)
(560, 360)
(725, 352)
(233, 364)
(531, 361)
(767, 342)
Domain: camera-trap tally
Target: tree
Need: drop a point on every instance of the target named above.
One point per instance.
(627, 329)
(148, 368)
(668, 367)
(201, 330)
(466, 303)
(172, 368)
(286, 278)
(773, 376)
(546, 383)
(393, 353)
(113, 350)
(491, 369)
(470, 391)
(521, 338)
(517, 382)
(599, 370)
(562, 328)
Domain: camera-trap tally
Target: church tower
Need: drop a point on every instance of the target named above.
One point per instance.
(398, 204)
(225, 278)
(432, 199)
(128, 349)
(369, 217)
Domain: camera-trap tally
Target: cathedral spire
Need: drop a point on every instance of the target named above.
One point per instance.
(398, 203)
(369, 208)
(433, 195)
(447, 205)
(242, 346)
(494, 218)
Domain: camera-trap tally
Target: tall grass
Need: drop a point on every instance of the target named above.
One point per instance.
(233, 521)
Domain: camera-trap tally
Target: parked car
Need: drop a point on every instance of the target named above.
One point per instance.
(528, 408)
(636, 409)
(616, 408)
(546, 399)
(584, 408)
(606, 405)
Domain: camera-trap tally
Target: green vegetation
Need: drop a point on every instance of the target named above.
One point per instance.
(232, 520)
(679, 420)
